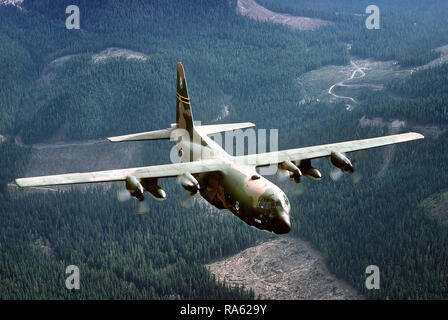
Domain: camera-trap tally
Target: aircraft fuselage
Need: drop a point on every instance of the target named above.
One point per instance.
(238, 188)
(249, 196)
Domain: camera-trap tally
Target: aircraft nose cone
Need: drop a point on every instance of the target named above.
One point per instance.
(282, 224)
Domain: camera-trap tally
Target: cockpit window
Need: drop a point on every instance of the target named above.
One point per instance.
(266, 203)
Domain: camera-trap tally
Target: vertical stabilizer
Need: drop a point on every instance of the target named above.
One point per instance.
(184, 116)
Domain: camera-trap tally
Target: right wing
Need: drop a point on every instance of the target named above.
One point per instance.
(158, 171)
(269, 158)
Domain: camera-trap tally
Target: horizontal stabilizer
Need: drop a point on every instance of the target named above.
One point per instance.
(217, 128)
(150, 135)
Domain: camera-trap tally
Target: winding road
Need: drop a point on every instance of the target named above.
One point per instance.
(342, 83)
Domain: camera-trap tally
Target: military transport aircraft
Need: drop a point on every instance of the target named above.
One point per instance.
(226, 181)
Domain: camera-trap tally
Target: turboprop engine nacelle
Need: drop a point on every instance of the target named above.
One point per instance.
(295, 172)
(150, 185)
(189, 182)
(312, 173)
(341, 162)
(308, 171)
(134, 187)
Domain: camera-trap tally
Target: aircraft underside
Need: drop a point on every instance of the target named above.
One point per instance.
(241, 204)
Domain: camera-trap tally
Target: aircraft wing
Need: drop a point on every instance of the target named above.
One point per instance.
(268, 158)
(158, 171)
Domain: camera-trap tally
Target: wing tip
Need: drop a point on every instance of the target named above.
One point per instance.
(417, 135)
(113, 139)
(19, 183)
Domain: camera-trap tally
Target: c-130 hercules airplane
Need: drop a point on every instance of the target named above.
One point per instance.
(225, 181)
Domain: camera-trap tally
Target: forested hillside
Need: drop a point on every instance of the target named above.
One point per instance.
(406, 29)
(50, 84)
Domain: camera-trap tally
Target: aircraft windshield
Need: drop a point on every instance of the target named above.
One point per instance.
(267, 203)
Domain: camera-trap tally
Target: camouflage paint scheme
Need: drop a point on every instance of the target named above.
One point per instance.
(237, 188)
(225, 181)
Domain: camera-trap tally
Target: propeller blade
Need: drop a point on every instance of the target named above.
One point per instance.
(299, 189)
(336, 174)
(282, 175)
(123, 195)
(143, 207)
(188, 201)
(356, 177)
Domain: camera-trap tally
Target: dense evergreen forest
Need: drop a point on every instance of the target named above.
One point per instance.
(49, 82)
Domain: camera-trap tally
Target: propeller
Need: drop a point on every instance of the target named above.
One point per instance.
(299, 189)
(124, 195)
(356, 177)
(143, 207)
(282, 175)
(337, 173)
(291, 187)
(188, 200)
(190, 184)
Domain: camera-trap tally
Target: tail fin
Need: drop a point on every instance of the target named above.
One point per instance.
(184, 117)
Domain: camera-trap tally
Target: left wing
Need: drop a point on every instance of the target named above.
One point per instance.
(158, 171)
(268, 158)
